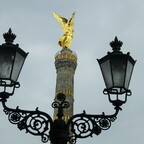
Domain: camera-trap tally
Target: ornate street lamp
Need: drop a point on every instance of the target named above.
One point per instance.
(11, 61)
(116, 69)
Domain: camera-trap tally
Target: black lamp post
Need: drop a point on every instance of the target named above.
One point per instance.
(116, 69)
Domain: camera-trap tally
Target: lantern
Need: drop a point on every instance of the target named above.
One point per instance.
(11, 60)
(117, 69)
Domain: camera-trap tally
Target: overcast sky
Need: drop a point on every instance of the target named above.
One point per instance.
(97, 22)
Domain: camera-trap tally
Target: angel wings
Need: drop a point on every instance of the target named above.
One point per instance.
(67, 26)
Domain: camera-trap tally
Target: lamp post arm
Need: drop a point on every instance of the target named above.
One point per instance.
(84, 125)
(36, 122)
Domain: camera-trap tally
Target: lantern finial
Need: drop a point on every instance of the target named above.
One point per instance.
(116, 44)
(9, 36)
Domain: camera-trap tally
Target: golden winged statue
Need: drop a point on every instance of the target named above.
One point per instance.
(67, 26)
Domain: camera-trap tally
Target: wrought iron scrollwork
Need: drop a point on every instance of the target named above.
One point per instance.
(35, 122)
(60, 104)
(41, 124)
(117, 102)
(84, 125)
(5, 84)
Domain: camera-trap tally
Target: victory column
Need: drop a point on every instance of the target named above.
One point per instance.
(65, 63)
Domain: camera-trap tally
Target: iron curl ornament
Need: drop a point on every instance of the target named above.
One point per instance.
(85, 125)
(36, 122)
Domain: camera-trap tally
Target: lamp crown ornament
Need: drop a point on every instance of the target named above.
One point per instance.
(116, 44)
(9, 36)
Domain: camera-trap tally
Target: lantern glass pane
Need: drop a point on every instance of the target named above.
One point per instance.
(106, 71)
(18, 63)
(118, 64)
(6, 62)
(128, 73)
